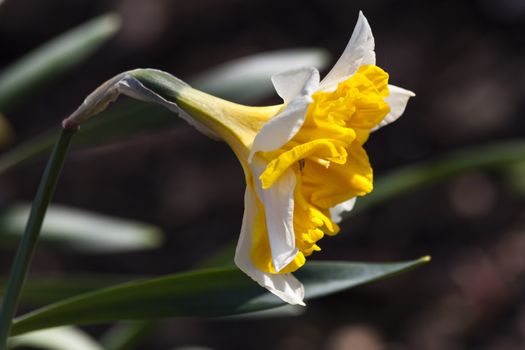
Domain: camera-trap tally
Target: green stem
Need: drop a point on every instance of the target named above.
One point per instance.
(32, 231)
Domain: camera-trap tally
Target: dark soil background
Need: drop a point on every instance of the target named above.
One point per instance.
(464, 60)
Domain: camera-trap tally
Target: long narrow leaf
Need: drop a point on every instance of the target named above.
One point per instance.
(215, 292)
(83, 231)
(54, 58)
(40, 291)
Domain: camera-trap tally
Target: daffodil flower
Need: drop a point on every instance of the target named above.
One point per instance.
(307, 164)
(304, 160)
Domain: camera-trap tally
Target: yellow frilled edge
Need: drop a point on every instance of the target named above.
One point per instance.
(328, 159)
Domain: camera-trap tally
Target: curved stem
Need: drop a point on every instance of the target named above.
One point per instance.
(29, 239)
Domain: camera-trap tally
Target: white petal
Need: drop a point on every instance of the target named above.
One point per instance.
(359, 51)
(281, 128)
(285, 286)
(296, 82)
(397, 100)
(278, 202)
(337, 212)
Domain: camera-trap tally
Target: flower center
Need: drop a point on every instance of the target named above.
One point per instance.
(328, 160)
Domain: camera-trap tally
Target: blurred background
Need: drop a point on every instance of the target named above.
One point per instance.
(464, 60)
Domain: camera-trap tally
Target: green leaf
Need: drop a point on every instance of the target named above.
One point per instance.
(54, 58)
(247, 79)
(39, 290)
(61, 338)
(83, 231)
(416, 176)
(213, 292)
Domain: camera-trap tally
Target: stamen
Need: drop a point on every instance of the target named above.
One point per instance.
(320, 161)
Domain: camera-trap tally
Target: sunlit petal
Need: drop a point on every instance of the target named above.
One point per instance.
(282, 128)
(359, 51)
(285, 286)
(397, 100)
(278, 202)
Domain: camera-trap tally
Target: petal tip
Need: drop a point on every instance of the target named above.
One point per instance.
(358, 51)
